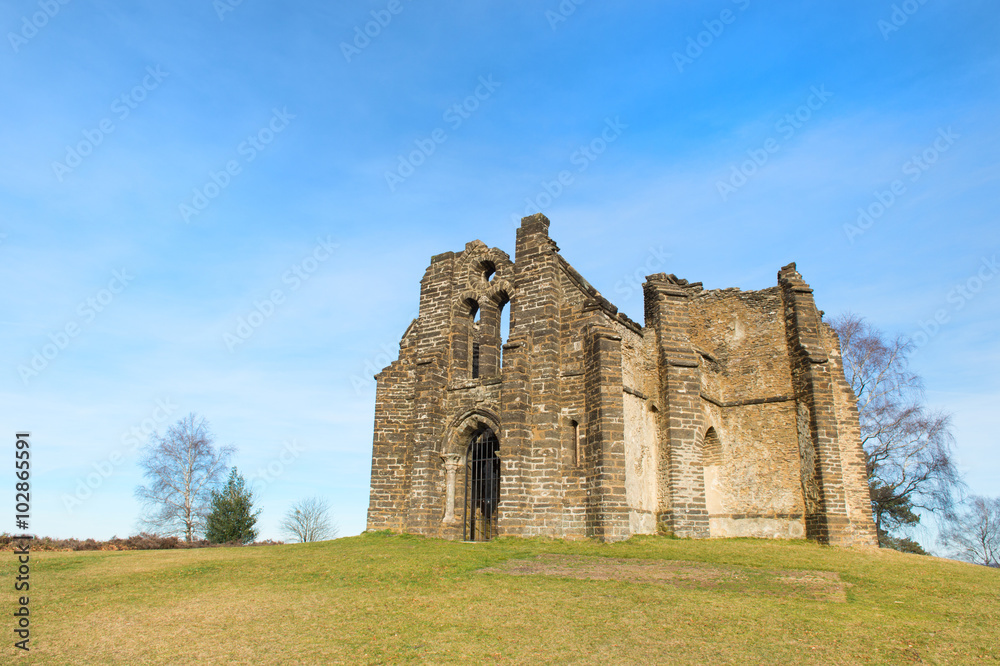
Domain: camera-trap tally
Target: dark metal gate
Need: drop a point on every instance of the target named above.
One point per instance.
(482, 487)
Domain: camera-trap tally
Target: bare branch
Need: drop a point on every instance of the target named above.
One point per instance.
(309, 520)
(181, 468)
(908, 447)
(973, 535)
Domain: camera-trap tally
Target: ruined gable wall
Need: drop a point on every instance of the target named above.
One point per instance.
(593, 453)
(748, 399)
(421, 397)
(590, 395)
(481, 276)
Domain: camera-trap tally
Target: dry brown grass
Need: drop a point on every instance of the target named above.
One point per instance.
(819, 585)
(393, 599)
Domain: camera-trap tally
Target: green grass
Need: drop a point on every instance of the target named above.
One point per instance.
(382, 598)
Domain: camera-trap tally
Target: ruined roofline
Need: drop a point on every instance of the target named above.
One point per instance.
(600, 301)
(669, 281)
(575, 278)
(541, 223)
(682, 287)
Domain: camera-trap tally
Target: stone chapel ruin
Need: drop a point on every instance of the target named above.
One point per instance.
(726, 414)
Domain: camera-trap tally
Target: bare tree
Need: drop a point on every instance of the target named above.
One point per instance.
(973, 535)
(908, 446)
(182, 468)
(309, 520)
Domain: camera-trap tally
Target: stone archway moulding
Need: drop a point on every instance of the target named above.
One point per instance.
(464, 425)
(453, 450)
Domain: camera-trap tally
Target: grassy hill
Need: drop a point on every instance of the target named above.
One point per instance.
(381, 598)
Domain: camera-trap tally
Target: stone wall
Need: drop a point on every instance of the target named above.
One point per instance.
(861, 529)
(747, 398)
(727, 414)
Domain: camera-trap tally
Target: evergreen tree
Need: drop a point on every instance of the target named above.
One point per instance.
(893, 512)
(232, 517)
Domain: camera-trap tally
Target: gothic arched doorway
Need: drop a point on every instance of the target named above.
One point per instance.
(482, 486)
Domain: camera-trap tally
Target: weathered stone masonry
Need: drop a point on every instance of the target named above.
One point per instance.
(727, 414)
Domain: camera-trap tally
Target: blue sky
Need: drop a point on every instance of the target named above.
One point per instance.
(182, 164)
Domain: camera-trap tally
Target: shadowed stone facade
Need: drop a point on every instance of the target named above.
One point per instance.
(727, 414)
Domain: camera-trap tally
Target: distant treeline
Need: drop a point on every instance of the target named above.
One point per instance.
(140, 541)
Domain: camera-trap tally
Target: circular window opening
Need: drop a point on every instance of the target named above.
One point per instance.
(489, 270)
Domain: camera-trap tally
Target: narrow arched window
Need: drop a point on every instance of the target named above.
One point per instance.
(711, 449)
(577, 434)
(711, 460)
(505, 308)
(470, 353)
